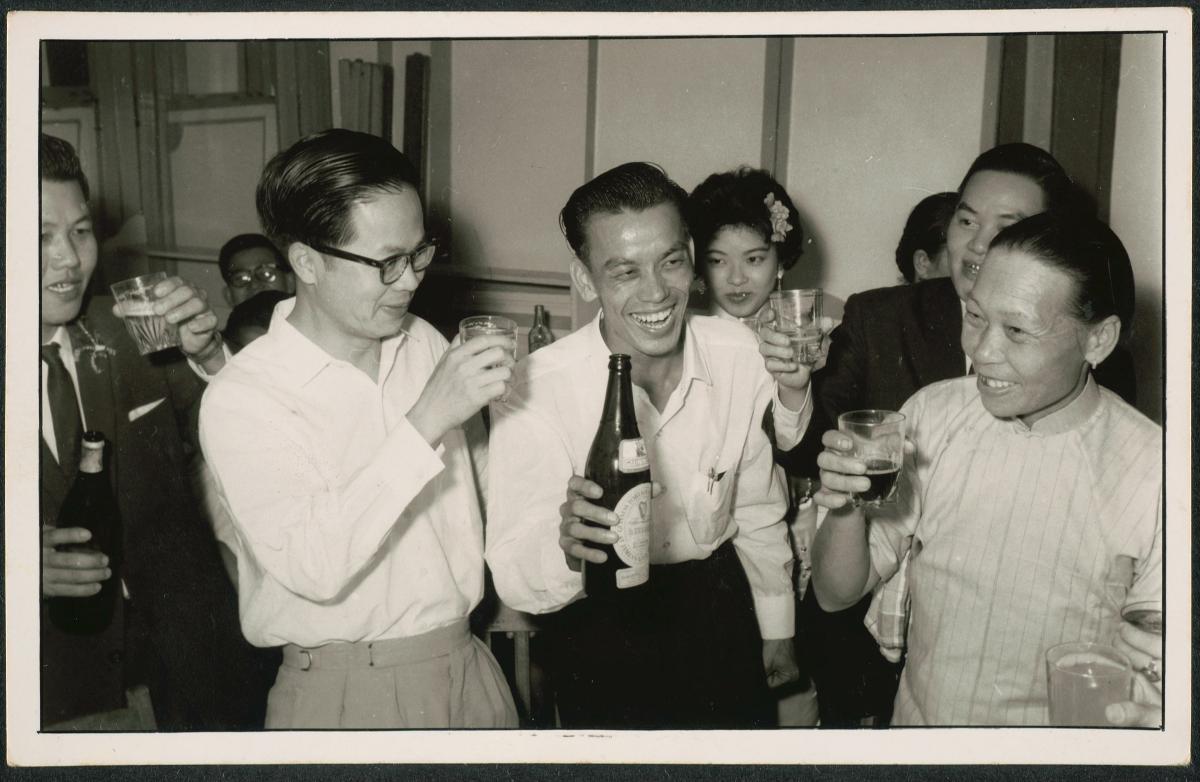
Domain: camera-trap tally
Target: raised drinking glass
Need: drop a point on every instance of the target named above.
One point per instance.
(135, 298)
(798, 315)
(877, 438)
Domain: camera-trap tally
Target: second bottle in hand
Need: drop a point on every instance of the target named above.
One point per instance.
(618, 463)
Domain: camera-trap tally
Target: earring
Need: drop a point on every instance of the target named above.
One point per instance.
(779, 274)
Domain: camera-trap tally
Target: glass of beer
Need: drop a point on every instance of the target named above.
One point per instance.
(877, 438)
(486, 326)
(798, 315)
(135, 298)
(1083, 679)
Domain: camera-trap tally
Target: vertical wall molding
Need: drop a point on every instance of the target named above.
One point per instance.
(589, 145)
(583, 311)
(1082, 131)
(996, 105)
(777, 106)
(436, 174)
(1039, 90)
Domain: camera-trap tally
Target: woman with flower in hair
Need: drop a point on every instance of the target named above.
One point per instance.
(747, 235)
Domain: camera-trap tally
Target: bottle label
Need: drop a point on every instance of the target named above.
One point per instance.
(631, 456)
(633, 527)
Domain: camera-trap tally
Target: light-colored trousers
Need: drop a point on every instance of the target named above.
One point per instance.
(445, 678)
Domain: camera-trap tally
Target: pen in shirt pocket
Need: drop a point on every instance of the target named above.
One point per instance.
(713, 478)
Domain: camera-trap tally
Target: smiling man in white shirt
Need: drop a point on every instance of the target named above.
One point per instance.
(719, 601)
(337, 442)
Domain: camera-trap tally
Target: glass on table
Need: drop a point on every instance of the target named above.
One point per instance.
(877, 438)
(1084, 679)
(150, 331)
(797, 313)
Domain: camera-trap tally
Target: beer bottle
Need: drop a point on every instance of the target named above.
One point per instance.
(618, 463)
(90, 504)
(540, 334)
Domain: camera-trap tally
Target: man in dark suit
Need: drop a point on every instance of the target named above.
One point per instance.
(893, 342)
(172, 656)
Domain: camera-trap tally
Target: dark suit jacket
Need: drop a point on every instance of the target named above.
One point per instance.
(894, 341)
(180, 632)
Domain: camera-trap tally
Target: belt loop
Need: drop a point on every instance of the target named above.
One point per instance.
(371, 655)
(307, 660)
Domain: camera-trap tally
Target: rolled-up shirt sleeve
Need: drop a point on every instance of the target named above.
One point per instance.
(761, 540)
(529, 466)
(790, 425)
(311, 534)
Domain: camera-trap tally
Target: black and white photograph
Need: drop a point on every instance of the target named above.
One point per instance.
(735, 388)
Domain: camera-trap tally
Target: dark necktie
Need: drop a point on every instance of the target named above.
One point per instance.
(64, 409)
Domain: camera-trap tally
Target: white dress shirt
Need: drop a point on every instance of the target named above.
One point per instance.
(707, 448)
(63, 340)
(346, 524)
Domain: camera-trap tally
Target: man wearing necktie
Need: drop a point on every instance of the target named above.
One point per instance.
(173, 637)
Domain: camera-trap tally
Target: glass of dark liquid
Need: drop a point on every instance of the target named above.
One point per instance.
(878, 439)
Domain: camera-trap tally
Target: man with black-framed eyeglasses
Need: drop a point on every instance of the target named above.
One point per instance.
(250, 264)
(345, 444)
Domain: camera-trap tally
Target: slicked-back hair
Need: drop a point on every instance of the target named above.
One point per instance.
(1088, 252)
(246, 242)
(632, 187)
(925, 230)
(738, 199)
(1059, 191)
(58, 162)
(306, 191)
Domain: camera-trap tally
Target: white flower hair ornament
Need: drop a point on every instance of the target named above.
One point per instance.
(779, 218)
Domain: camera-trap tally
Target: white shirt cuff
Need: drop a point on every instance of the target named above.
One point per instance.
(199, 370)
(776, 615)
(790, 424)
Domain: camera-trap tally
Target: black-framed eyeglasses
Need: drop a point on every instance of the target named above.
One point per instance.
(391, 268)
(267, 272)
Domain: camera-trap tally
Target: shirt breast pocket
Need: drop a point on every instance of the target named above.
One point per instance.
(711, 501)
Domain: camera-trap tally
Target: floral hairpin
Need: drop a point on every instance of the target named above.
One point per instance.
(779, 218)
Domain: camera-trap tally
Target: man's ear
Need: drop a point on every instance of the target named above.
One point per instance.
(304, 261)
(1102, 339)
(922, 264)
(582, 277)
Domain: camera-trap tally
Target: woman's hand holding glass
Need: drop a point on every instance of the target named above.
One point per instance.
(843, 475)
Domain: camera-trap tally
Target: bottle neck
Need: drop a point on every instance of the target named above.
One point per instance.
(539, 316)
(618, 402)
(91, 460)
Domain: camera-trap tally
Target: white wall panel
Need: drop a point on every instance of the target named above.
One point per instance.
(877, 124)
(692, 106)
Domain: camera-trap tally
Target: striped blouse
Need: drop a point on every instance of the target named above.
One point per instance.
(1021, 538)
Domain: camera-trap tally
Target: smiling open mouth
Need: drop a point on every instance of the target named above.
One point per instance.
(994, 384)
(63, 288)
(652, 321)
(970, 269)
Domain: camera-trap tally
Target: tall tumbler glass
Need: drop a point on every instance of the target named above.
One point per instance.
(798, 315)
(486, 326)
(877, 438)
(135, 298)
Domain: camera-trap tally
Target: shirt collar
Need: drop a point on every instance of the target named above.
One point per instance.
(303, 359)
(695, 366)
(1079, 410)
